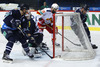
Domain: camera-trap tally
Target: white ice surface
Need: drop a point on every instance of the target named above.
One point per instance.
(23, 61)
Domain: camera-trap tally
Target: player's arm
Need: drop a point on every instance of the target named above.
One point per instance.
(41, 23)
(10, 20)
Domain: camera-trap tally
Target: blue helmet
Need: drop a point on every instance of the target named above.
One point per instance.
(24, 6)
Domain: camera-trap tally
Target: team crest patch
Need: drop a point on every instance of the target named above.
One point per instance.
(4, 33)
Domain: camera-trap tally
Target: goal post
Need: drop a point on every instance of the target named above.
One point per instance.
(74, 42)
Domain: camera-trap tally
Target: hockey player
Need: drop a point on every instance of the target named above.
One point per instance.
(83, 17)
(45, 19)
(10, 29)
(35, 35)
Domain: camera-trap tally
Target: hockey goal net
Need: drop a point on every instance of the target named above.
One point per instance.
(74, 43)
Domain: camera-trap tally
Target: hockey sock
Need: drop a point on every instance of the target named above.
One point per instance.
(9, 45)
(25, 45)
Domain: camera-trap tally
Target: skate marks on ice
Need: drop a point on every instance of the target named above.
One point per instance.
(18, 56)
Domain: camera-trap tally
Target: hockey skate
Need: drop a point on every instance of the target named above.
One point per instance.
(57, 44)
(29, 54)
(6, 58)
(35, 52)
(94, 46)
(44, 46)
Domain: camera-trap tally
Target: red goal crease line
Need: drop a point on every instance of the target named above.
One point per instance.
(90, 28)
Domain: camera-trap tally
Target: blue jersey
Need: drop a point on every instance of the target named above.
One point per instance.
(82, 16)
(4, 26)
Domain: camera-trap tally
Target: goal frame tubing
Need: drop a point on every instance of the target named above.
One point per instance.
(54, 26)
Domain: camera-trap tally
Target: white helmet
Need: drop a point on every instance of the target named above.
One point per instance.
(55, 6)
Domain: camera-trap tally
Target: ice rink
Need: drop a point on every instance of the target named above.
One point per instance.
(23, 61)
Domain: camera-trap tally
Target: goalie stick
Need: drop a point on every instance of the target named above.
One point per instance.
(65, 37)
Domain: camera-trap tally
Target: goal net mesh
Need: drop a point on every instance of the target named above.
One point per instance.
(73, 40)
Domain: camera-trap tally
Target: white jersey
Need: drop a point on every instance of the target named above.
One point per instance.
(46, 15)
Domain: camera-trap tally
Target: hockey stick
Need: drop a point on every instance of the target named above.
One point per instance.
(38, 46)
(65, 37)
(21, 30)
(46, 52)
(69, 40)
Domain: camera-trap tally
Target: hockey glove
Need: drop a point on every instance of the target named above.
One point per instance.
(40, 19)
(16, 24)
(31, 39)
(25, 30)
(38, 37)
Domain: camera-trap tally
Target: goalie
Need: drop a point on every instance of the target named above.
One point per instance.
(45, 19)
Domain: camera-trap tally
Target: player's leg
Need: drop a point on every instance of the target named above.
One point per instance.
(38, 39)
(42, 27)
(25, 47)
(34, 49)
(89, 36)
(49, 28)
(57, 44)
(11, 40)
(34, 45)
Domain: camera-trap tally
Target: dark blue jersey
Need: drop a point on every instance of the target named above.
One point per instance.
(32, 26)
(11, 16)
(82, 16)
(24, 21)
(24, 24)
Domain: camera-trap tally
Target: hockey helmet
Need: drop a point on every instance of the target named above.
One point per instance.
(86, 7)
(24, 6)
(55, 6)
(28, 14)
